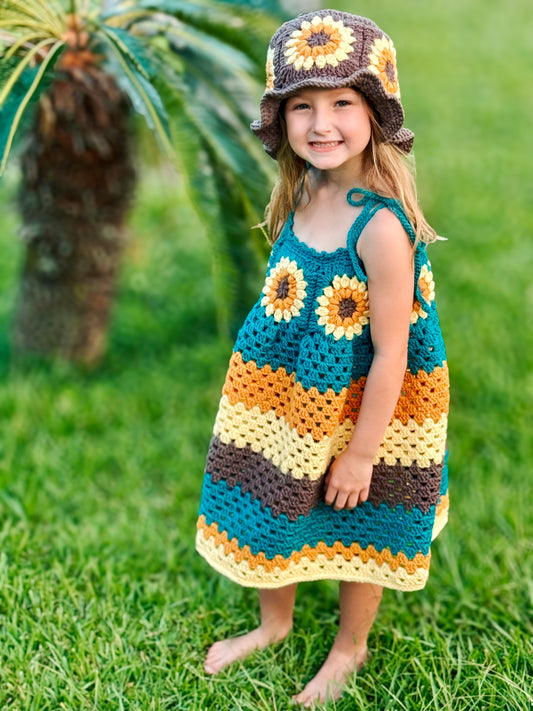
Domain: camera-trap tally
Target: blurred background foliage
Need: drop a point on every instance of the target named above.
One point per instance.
(70, 74)
(104, 603)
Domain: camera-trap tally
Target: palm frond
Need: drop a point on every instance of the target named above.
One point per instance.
(28, 87)
(229, 96)
(140, 90)
(131, 48)
(224, 141)
(231, 149)
(54, 6)
(24, 41)
(228, 181)
(229, 92)
(189, 11)
(218, 104)
(22, 64)
(123, 16)
(237, 247)
(36, 10)
(186, 38)
(22, 24)
(236, 25)
(195, 167)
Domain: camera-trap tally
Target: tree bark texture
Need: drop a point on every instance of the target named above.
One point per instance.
(77, 185)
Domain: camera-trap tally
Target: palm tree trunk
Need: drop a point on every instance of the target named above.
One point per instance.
(77, 184)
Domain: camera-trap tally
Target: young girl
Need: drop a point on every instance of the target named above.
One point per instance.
(328, 454)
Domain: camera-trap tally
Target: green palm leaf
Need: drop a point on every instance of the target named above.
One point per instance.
(133, 74)
(23, 12)
(184, 38)
(20, 66)
(28, 86)
(133, 49)
(193, 159)
(236, 25)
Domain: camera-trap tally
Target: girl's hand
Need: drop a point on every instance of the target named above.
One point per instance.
(348, 481)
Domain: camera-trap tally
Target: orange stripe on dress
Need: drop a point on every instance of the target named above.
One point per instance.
(422, 396)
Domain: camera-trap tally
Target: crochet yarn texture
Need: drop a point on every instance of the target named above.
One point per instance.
(289, 405)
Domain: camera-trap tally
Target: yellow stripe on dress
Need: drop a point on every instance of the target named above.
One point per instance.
(281, 444)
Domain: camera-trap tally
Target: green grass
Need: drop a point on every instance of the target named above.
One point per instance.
(104, 603)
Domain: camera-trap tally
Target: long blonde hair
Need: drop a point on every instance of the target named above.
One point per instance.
(386, 170)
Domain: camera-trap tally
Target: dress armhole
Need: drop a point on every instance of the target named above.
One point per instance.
(369, 210)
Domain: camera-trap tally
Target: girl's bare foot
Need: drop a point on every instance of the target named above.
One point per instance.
(227, 651)
(332, 676)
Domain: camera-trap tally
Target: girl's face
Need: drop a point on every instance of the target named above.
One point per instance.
(329, 128)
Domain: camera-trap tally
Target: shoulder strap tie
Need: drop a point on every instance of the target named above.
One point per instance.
(372, 202)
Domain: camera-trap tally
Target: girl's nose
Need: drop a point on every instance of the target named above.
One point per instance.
(321, 121)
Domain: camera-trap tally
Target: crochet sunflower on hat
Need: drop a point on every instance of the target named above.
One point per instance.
(319, 42)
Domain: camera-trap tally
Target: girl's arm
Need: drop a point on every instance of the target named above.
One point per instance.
(387, 254)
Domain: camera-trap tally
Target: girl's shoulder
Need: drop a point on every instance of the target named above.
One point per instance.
(384, 236)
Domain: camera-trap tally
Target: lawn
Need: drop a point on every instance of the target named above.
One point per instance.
(104, 604)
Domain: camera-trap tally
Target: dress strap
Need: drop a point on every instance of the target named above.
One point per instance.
(372, 203)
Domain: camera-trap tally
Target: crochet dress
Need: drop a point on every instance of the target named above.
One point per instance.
(289, 405)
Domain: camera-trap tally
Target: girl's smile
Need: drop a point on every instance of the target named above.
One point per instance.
(323, 146)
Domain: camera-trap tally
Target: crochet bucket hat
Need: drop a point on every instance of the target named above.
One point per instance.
(332, 49)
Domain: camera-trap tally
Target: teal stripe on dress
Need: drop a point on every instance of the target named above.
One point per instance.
(444, 476)
(253, 525)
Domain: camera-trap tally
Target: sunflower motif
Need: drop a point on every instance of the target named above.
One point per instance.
(284, 290)
(321, 41)
(383, 64)
(343, 309)
(427, 289)
(270, 75)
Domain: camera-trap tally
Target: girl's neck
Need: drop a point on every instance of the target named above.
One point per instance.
(331, 184)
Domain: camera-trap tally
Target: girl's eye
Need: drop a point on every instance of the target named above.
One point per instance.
(299, 107)
(343, 102)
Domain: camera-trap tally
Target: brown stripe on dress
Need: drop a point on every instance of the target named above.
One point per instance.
(411, 487)
(282, 493)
